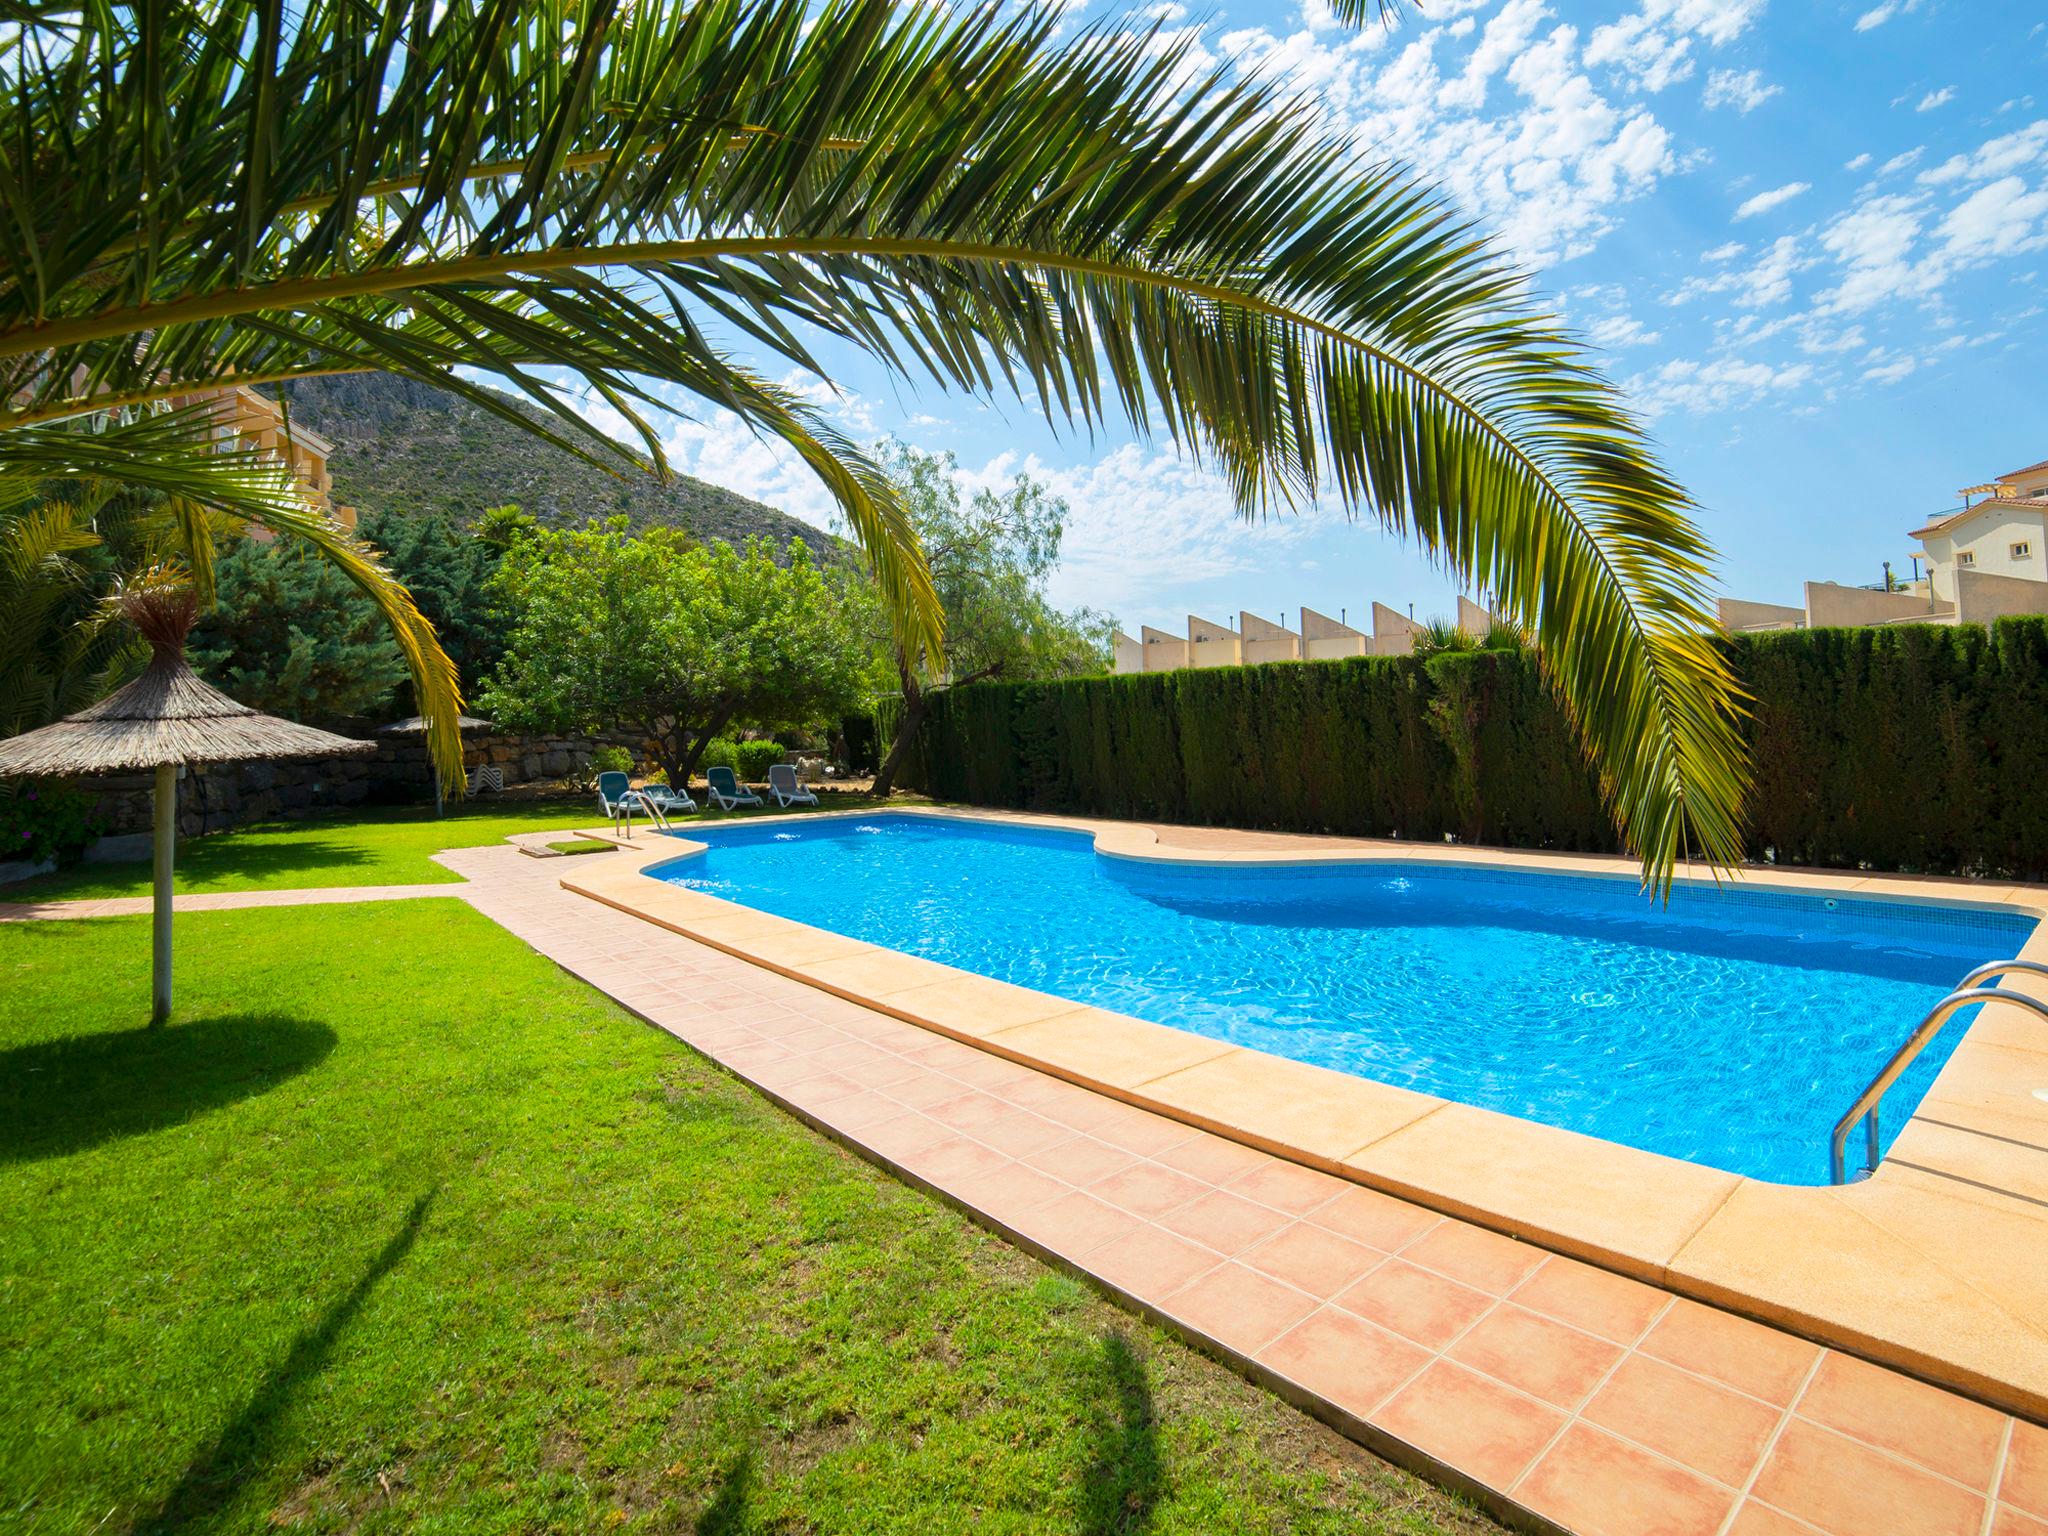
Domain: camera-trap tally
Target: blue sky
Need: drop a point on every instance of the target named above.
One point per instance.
(1810, 237)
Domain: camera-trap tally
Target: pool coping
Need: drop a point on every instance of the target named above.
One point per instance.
(1932, 1267)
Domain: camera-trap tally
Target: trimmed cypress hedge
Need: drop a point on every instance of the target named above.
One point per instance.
(1910, 748)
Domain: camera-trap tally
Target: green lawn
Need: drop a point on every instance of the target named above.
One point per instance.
(400, 1228)
(360, 847)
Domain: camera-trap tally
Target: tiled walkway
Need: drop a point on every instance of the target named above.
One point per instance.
(1561, 1393)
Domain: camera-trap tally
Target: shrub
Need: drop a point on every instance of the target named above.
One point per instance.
(41, 821)
(610, 760)
(1915, 748)
(720, 752)
(753, 759)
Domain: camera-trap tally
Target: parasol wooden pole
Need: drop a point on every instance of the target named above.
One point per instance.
(166, 809)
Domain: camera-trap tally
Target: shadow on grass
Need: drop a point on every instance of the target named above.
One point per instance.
(233, 863)
(217, 1474)
(218, 863)
(1124, 1477)
(64, 1096)
(726, 1514)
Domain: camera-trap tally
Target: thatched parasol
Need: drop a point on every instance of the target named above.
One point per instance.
(165, 719)
(416, 725)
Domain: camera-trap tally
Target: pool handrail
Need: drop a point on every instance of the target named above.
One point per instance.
(1967, 994)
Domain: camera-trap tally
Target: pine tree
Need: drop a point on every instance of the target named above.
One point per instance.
(448, 570)
(290, 634)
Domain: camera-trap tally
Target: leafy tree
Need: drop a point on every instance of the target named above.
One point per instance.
(449, 575)
(248, 191)
(290, 635)
(990, 558)
(672, 640)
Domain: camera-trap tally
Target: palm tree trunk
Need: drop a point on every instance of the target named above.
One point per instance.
(906, 728)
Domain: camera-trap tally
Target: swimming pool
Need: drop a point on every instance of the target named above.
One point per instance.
(1730, 1029)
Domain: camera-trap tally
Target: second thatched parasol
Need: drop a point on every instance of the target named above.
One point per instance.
(166, 719)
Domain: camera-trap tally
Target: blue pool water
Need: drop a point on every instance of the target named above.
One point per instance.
(1731, 1028)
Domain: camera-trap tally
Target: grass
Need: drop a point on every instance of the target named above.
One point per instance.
(572, 847)
(358, 847)
(400, 1228)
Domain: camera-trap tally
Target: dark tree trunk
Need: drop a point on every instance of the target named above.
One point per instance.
(694, 753)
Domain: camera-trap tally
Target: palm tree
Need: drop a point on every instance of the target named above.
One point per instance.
(58, 648)
(256, 191)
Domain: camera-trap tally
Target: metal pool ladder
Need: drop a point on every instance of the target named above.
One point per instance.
(1967, 994)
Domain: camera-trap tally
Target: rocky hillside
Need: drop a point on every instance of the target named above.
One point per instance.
(404, 446)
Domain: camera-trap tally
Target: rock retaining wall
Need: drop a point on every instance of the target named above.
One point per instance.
(232, 795)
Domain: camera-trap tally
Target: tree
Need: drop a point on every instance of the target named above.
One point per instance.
(449, 571)
(256, 192)
(990, 557)
(59, 649)
(290, 635)
(677, 642)
(499, 528)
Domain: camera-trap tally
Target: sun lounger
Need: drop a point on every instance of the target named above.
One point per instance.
(727, 793)
(784, 785)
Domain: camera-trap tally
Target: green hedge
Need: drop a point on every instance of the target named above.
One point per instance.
(1912, 748)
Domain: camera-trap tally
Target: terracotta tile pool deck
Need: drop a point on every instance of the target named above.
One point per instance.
(1563, 1395)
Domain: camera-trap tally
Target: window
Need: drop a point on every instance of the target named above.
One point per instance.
(1966, 557)
(2021, 550)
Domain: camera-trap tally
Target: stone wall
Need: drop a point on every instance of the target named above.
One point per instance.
(232, 795)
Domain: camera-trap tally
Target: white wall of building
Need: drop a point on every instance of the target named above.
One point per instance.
(2001, 539)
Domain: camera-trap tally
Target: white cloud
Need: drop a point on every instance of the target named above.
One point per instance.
(1714, 385)
(1933, 99)
(1883, 12)
(1506, 37)
(1144, 524)
(1651, 47)
(1649, 57)
(1617, 331)
(1900, 161)
(1820, 340)
(1873, 243)
(1995, 157)
(1718, 21)
(1764, 202)
(1901, 246)
(1743, 90)
(2004, 217)
(1511, 126)
(1891, 372)
(1728, 250)
(1764, 282)
(1857, 164)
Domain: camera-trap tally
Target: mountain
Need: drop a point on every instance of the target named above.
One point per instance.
(404, 446)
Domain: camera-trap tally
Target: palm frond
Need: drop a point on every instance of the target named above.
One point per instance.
(510, 186)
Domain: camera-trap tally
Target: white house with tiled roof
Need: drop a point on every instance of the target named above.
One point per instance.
(2004, 534)
(1983, 561)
